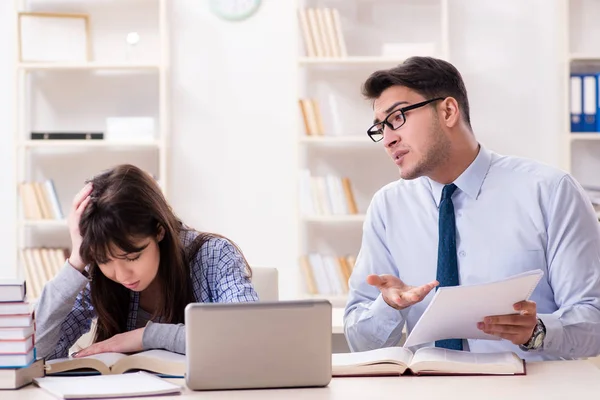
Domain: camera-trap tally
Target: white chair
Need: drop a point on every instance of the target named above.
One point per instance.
(265, 282)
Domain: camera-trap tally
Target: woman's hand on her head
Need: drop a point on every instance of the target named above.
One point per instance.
(80, 201)
(127, 342)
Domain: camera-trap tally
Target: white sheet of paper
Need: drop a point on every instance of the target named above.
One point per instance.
(107, 358)
(371, 356)
(455, 311)
(105, 386)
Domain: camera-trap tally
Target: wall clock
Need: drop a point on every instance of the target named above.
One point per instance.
(234, 10)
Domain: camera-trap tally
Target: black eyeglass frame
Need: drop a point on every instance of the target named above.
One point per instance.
(371, 132)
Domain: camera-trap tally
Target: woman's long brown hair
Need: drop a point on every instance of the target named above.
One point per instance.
(127, 205)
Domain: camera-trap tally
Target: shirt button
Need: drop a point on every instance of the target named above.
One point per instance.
(459, 215)
(462, 253)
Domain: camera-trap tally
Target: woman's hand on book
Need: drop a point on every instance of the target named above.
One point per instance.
(80, 201)
(396, 293)
(517, 328)
(127, 342)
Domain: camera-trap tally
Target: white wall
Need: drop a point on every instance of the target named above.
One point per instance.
(508, 54)
(234, 129)
(7, 167)
(234, 111)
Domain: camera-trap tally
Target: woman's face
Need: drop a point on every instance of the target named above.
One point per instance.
(135, 271)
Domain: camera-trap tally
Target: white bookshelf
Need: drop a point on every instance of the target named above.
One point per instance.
(583, 136)
(126, 66)
(89, 143)
(580, 54)
(356, 60)
(343, 148)
(117, 80)
(583, 57)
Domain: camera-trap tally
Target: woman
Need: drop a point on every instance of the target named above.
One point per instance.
(134, 266)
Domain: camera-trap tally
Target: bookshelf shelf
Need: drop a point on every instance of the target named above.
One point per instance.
(583, 57)
(325, 219)
(87, 143)
(337, 301)
(338, 140)
(584, 136)
(352, 60)
(86, 66)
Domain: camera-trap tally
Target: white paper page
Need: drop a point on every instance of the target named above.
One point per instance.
(107, 358)
(371, 356)
(103, 386)
(162, 355)
(436, 354)
(455, 311)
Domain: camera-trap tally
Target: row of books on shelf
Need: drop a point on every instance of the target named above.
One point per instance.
(311, 115)
(41, 265)
(326, 274)
(584, 102)
(39, 200)
(322, 32)
(18, 365)
(326, 195)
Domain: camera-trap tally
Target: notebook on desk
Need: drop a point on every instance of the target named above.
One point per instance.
(107, 386)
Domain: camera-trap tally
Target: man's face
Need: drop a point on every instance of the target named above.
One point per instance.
(419, 146)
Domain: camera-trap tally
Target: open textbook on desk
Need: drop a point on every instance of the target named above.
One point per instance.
(425, 361)
(160, 362)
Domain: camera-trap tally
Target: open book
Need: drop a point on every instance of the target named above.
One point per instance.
(157, 361)
(425, 361)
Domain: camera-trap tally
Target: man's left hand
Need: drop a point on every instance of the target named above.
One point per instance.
(517, 328)
(126, 342)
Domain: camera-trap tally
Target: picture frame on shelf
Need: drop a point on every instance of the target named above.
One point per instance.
(53, 37)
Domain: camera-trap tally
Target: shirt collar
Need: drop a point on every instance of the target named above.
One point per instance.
(471, 180)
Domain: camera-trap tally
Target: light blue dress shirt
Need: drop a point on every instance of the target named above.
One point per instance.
(512, 215)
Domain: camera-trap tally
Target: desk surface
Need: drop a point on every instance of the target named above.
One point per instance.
(547, 380)
(337, 320)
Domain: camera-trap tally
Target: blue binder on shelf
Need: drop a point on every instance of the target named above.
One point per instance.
(590, 103)
(597, 128)
(576, 102)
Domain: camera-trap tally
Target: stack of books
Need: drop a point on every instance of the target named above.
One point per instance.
(18, 364)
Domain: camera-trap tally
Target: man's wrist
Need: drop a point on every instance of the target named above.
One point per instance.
(536, 341)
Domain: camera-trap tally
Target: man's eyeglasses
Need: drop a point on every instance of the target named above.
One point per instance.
(395, 120)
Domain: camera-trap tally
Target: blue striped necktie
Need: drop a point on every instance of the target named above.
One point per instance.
(447, 265)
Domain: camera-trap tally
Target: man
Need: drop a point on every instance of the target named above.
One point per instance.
(462, 214)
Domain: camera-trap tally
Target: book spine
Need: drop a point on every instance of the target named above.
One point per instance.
(67, 135)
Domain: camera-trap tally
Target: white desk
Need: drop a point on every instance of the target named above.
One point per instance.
(337, 321)
(546, 381)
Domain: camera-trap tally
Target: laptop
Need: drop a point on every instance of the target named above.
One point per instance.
(258, 345)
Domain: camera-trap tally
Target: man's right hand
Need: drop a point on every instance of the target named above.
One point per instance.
(80, 201)
(396, 293)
